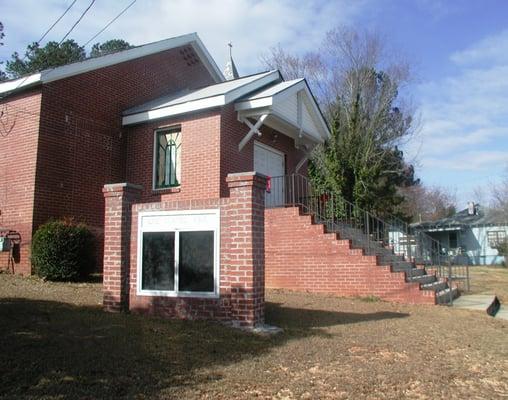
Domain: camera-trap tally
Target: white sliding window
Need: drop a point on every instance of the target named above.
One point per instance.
(178, 253)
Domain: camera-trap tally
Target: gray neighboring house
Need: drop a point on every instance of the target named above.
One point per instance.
(469, 237)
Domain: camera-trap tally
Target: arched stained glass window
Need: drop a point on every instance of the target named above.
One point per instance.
(167, 167)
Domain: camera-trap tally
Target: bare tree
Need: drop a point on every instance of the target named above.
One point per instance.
(498, 206)
(358, 85)
(423, 203)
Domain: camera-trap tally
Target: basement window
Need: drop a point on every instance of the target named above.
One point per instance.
(178, 253)
(167, 160)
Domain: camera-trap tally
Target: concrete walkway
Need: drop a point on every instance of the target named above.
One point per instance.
(480, 302)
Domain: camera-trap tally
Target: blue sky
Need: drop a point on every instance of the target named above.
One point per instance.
(459, 50)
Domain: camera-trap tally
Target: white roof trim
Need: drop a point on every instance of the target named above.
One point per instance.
(91, 64)
(260, 100)
(202, 103)
(17, 84)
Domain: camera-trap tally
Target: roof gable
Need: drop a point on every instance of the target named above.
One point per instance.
(292, 102)
(91, 64)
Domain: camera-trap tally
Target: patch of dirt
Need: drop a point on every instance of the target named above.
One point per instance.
(58, 344)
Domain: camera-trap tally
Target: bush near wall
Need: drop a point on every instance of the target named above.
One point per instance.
(63, 251)
(502, 250)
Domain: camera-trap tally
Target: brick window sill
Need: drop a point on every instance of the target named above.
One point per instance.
(166, 190)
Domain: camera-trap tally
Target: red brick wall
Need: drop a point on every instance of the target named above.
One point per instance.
(82, 143)
(209, 153)
(241, 255)
(199, 157)
(232, 160)
(18, 153)
(301, 256)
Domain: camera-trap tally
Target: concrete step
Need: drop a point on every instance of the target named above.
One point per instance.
(437, 286)
(443, 296)
(404, 267)
(412, 273)
(423, 279)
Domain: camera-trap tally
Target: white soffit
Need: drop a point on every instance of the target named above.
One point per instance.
(91, 64)
(200, 99)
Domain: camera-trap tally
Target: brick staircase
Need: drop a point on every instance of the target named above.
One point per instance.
(415, 270)
(301, 254)
(309, 252)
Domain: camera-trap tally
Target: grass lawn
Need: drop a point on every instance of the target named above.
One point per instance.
(490, 280)
(56, 343)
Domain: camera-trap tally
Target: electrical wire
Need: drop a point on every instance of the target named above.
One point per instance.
(77, 22)
(56, 22)
(109, 23)
(42, 38)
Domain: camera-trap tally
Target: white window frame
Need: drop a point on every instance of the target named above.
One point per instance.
(500, 237)
(179, 221)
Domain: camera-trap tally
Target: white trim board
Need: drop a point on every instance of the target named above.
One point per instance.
(183, 221)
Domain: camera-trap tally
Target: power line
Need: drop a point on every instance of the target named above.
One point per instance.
(110, 22)
(42, 37)
(77, 22)
(56, 22)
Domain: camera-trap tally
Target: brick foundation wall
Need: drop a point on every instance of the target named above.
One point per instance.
(241, 290)
(301, 256)
(18, 154)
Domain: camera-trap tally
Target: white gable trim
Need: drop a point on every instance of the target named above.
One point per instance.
(91, 64)
(304, 99)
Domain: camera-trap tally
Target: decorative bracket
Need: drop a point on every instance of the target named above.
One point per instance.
(253, 129)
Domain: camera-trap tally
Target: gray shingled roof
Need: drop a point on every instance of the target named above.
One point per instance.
(462, 219)
(186, 96)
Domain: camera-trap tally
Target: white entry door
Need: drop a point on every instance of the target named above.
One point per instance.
(270, 162)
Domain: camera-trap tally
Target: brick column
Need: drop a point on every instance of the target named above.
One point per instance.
(117, 225)
(245, 251)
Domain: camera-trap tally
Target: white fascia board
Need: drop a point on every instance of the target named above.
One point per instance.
(291, 90)
(235, 94)
(250, 104)
(209, 62)
(325, 132)
(20, 83)
(177, 109)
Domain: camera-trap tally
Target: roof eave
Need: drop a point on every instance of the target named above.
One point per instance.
(91, 64)
(174, 110)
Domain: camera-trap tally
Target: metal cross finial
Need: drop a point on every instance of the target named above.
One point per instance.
(230, 48)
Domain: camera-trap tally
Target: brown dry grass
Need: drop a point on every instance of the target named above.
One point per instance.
(58, 344)
(490, 280)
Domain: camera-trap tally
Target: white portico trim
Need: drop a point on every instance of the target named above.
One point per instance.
(261, 99)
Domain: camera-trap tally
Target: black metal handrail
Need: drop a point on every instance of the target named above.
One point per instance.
(381, 237)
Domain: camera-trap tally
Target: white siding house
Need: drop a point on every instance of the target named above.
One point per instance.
(470, 236)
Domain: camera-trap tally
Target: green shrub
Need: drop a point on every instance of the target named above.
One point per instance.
(63, 251)
(502, 250)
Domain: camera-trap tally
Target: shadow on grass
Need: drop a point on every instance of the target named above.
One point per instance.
(56, 350)
(307, 319)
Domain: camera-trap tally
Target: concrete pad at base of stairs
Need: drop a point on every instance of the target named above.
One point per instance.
(480, 302)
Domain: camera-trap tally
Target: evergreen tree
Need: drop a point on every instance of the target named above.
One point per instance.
(39, 58)
(111, 46)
